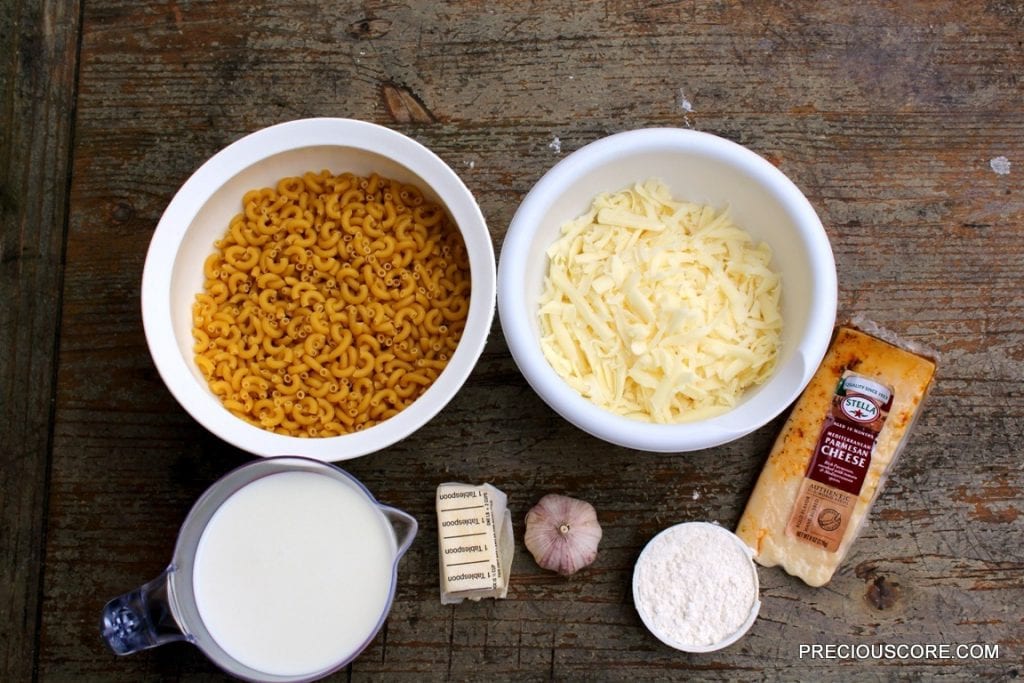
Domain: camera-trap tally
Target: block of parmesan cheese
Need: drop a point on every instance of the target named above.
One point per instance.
(833, 454)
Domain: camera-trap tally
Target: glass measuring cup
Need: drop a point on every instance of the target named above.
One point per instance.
(167, 610)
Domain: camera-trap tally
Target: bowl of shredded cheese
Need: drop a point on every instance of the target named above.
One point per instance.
(666, 290)
(321, 288)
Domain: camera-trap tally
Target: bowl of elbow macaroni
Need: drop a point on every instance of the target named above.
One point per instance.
(666, 290)
(321, 288)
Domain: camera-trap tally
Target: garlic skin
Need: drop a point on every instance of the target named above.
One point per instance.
(562, 533)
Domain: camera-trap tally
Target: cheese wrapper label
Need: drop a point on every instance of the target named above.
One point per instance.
(832, 484)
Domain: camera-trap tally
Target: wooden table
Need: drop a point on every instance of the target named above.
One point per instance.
(902, 122)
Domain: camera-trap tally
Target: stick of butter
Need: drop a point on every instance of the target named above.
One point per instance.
(832, 456)
(475, 542)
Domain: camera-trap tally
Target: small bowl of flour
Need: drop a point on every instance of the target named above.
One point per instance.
(695, 587)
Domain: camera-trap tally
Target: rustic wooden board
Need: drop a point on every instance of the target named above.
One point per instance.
(886, 115)
(38, 59)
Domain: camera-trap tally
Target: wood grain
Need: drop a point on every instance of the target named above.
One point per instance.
(38, 44)
(887, 116)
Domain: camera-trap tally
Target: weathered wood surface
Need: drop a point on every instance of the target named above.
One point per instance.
(887, 115)
(38, 57)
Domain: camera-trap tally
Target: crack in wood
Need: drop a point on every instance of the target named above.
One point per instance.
(404, 105)
(882, 594)
(369, 28)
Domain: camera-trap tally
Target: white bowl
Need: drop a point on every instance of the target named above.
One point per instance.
(199, 214)
(698, 167)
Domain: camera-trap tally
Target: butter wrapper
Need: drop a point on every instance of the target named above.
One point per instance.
(475, 542)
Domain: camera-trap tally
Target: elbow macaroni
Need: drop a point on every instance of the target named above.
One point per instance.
(330, 304)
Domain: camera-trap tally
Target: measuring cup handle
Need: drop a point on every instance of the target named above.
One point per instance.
(140, 619)
(405, 526)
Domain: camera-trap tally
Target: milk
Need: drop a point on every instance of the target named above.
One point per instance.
(293, 573)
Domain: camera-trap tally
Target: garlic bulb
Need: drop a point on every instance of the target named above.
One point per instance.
(562, 533)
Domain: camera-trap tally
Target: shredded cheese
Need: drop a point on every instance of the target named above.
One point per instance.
(657, 309)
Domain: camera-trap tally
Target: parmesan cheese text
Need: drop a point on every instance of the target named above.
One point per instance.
(659, 310)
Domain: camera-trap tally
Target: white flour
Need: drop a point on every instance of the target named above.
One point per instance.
(694, 585)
